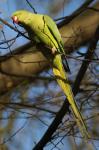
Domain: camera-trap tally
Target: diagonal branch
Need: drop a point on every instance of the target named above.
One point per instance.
(76, 13)
(31, 6)
(65, 107)
(13, 28)
(52, 128)
(85, 64)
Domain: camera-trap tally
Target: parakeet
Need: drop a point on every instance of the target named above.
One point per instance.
(41, 28)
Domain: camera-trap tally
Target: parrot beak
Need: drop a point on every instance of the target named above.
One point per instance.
(15, 19)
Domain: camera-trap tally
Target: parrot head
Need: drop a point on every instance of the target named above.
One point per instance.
(21, 17)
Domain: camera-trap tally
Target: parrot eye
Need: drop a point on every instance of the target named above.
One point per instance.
(15, 19)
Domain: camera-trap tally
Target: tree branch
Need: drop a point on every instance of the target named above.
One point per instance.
(64, 109)
(13, 28)
(76, 13)
(52, 128)
(78, 31)
(84, 66)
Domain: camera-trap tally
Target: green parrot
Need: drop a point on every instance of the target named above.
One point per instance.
(41, 28)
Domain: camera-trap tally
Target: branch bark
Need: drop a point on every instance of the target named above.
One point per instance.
(74, 34)
(85, 64)
(65, 107)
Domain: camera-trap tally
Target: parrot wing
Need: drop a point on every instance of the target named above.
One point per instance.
(56, 35)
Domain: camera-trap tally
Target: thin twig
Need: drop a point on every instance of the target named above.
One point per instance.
(32, 106)
(64, 109)
(26, 76)
(76, 13)
(31, 6)
(13, 28)
(85, 64)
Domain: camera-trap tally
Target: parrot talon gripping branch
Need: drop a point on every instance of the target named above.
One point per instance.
(44, 29)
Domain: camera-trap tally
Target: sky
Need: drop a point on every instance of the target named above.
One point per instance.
(7, 7)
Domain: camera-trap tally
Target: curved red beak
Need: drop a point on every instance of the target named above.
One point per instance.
(15, 19)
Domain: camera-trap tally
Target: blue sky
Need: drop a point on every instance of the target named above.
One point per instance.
(6, 8)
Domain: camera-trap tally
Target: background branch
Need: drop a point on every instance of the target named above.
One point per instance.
(77, 32)
(84, 66)
(65, 107)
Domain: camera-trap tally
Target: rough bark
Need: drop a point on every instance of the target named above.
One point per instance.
(74, 34)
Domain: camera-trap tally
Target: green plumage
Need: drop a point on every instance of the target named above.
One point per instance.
(42, 28)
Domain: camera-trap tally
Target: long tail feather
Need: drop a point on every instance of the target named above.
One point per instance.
(62, 80)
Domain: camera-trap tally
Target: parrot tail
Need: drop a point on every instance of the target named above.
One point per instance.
(62, 80)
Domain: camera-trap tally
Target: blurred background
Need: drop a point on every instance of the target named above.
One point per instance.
(22, 126)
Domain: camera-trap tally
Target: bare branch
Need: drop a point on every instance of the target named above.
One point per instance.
(84, 66)
(77, 32)
(76, 13)
(31, 6)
